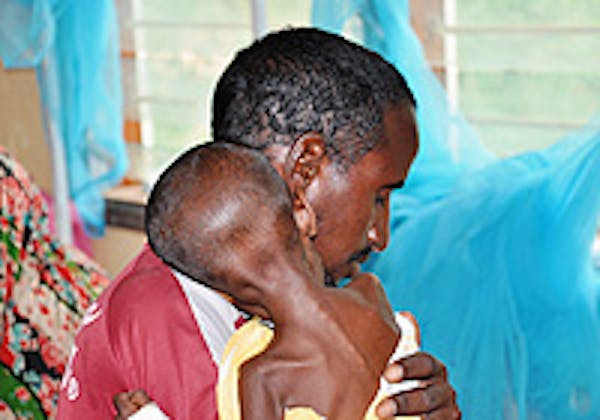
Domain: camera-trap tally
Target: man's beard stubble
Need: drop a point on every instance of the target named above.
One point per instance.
(358, 257)
(329, 280)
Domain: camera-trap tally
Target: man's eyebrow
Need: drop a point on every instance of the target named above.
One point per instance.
(395, 186)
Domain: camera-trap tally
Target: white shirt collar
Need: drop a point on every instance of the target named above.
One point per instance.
(215, 316)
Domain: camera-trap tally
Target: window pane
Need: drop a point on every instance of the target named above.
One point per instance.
(524, 87)
(177, 68)
(553, 96)
(232, 11)
(182, 48)
(507, 140)
(530, 12)
(189, 41)
(543, 51)
(281, 13)
(173, 126)
(172, 79)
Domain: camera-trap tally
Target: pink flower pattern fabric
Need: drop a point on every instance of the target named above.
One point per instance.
(45, 288)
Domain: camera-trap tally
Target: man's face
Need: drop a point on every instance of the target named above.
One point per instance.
(352, 206)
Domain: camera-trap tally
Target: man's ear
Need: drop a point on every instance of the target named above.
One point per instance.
(304, 215)
(302, 165)
(304, 161)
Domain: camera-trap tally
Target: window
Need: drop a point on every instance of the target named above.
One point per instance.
(524, 73)
(173, 53)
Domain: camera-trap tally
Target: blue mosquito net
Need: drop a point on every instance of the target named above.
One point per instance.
(74, 47)
(493, 256)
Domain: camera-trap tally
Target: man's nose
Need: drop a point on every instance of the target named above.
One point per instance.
(379, 233)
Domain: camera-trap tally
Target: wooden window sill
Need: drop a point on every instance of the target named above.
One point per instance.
(125, 206)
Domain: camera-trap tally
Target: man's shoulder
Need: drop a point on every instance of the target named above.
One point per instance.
(141, 333)
(145, 298)
(145, 283)
(144, 295)
(146, 270)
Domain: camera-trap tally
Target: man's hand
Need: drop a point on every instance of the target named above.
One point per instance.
(435, 399)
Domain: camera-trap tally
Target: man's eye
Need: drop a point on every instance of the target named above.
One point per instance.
(380, 200)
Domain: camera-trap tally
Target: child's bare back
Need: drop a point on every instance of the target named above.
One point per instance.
(330, 361)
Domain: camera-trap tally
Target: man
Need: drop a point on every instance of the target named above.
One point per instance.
(337, 123)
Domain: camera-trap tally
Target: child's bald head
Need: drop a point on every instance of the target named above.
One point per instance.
(217, 209)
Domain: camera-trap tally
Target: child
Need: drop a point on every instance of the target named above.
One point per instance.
(222, 215)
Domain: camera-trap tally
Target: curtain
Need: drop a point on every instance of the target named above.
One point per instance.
(74, 48)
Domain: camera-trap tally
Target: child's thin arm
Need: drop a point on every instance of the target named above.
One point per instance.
(259, 400)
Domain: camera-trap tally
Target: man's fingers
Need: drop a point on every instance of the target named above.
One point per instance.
(435, 399)
(419, 401)
(424, 400)
(445, 413)
(417, 366)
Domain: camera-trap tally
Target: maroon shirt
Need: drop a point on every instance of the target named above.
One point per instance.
(141, 334)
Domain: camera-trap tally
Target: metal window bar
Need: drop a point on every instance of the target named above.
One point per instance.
(521, 29)
(185, 25)
(525, 122)
(259, 27)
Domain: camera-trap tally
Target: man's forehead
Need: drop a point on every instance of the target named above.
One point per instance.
(401, 138)
(389, 163)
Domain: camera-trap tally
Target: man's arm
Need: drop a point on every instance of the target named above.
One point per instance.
(436, 399)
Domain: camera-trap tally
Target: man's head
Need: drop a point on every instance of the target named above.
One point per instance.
(222, 215)
(320, 108)
(305, 80)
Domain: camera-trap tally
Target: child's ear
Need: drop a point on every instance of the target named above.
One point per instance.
(304, 215)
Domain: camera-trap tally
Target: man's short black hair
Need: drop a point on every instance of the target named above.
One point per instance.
(307, 80)
(215, 204)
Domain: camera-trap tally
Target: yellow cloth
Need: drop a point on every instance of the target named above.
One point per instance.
(253, 338)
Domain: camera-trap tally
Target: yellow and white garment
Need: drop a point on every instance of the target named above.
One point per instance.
(254, 337)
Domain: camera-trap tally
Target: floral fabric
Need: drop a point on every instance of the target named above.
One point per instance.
(45, 288)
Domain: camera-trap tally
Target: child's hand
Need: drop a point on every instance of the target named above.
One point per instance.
(128, 403)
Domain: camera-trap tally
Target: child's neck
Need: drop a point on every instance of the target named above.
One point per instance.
(287, 293)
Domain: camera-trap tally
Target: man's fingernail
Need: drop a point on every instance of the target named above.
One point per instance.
(394, 373)
(387, 409)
